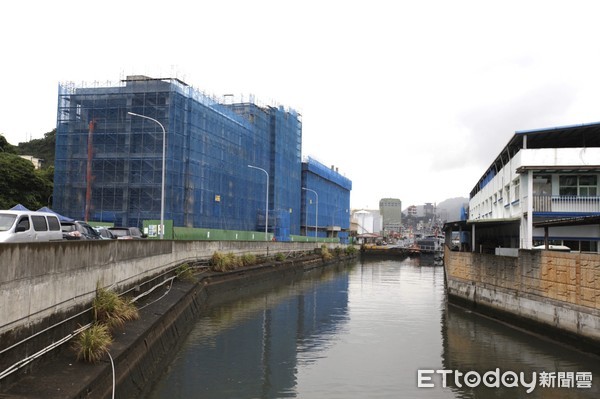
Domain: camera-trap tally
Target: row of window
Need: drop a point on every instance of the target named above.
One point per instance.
(582, 186)
(573, 245)
(569, 185)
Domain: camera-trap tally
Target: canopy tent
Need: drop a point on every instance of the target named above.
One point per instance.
(18, 207)
(368, 235)
(60, 217)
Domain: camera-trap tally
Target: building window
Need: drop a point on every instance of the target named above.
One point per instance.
(583, 186)
(542, 185)
(516, 190)
(588, 186)
(582, 246)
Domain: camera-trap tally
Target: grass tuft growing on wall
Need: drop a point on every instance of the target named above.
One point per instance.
(223, 262)
(112, 310)
(325, 254)
(248, 259)
(92, 343)
(185, 272)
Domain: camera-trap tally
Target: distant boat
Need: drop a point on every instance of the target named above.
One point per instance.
(432, 244)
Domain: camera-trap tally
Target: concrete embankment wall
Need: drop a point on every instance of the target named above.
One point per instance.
(40, 279)
(143, 347)
(546, 291)
(42, 284)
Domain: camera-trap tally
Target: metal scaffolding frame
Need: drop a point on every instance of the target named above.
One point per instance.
(108, 164)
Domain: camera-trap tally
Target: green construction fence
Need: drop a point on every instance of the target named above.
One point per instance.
(192, 233)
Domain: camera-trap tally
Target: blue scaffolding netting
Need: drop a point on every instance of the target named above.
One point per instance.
(109, 163)
(326, 200)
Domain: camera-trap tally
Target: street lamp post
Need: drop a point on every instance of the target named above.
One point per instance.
(161, 232)
(316, 208)
(266, 202)
(333, 215)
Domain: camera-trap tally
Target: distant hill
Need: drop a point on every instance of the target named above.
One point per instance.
(452, 208)
(449, 210)
(40, 148)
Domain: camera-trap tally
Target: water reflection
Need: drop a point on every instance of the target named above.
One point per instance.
(251, 348)
(476, 343)
(357, 331)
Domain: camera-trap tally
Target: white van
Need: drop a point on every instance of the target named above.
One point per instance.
(29, 226)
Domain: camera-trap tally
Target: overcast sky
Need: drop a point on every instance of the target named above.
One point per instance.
(409, 99)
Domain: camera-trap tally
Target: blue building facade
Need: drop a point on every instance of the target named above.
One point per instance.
(325, 201)
(109, 164)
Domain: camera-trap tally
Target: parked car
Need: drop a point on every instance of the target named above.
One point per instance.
(127, 233)
(105, 233)
(29, 226)
(78, 230)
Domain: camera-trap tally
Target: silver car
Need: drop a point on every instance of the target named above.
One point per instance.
(29, 226)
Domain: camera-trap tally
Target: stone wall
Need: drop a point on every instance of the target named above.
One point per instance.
(549, 289)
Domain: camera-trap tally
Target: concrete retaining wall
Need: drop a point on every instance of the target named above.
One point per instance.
(46, 288)
(552, 291)
(41, 279)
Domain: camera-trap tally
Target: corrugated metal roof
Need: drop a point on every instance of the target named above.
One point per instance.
(585, 135)
(572, 136)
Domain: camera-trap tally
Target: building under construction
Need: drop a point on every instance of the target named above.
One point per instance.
(325, 201)
(109, 163)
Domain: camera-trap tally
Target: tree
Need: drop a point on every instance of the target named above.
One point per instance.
(20, 183)
(5, 146)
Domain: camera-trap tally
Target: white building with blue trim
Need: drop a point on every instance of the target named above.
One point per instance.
(543, 188)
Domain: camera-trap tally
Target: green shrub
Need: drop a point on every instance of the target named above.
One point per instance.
(280, 257)
(351, 250)
(338, 251)
(92, 343)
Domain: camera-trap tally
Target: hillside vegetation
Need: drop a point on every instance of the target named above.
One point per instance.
(20, 182)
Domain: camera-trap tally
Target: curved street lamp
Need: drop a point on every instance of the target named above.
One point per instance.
(161, 229)
(266, 202)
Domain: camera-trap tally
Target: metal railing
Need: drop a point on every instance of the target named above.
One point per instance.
(565, 203)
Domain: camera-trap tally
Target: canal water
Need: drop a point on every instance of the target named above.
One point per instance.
(369, 329)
